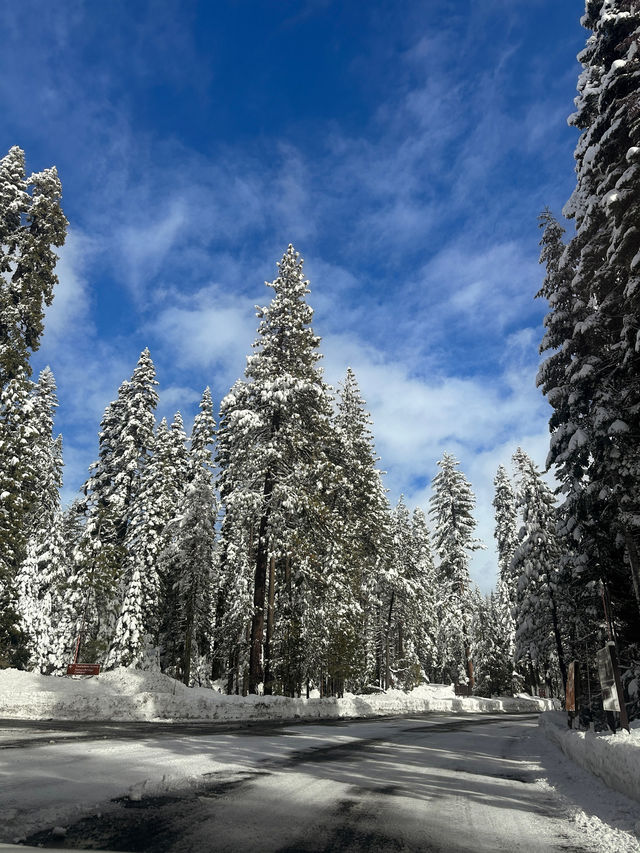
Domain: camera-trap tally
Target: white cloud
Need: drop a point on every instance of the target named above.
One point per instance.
(214, 332)
(417, 419)
(488, 286)
(141, 249)
(71, 303)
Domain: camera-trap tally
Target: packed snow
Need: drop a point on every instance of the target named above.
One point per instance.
(615, 758)
(132, 694)
(269, 786)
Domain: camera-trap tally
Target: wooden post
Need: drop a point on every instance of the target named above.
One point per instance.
(572, 692)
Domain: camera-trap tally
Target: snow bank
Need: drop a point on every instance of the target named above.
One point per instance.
(614, 758)
(127, 694)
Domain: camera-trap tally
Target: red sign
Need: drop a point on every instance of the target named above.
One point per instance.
(83, 669)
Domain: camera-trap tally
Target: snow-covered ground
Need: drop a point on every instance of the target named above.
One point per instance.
(615, 758)
(128, 694)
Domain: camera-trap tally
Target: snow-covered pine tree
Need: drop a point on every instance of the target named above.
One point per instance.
(190, 558)
(72, 600)
(234, 600)
(407, 595)
(362, 543)
(506, 530)
(125, 446)
(539, 639)
(41, 577)
(277, 479)
(147, 617)
(491, 653)
(203, 435)
(452, 504)
(17, 475)
(395, 586)
(424, 619)
(592, 287)
(506, 535)
(31, 224)
(190, 551)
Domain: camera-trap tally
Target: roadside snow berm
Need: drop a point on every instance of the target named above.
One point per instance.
(613, 758)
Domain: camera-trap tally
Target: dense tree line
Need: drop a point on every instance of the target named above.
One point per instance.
(262, 553)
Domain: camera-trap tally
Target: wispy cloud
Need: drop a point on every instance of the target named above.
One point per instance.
(417, 219)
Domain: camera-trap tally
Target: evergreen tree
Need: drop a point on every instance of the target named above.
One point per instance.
(72, 600)
(41, 576)
(17, 476)
(538, 635)
(125, 445)
(506, 534)
(31, 224)
(203, 435)
(452, 505)
(491, 652)
(189, 559)
(277, 478)
(408, 603)
(592, 288)
(147, 612)
(391, 586)
(423, 617)
(506, 530)
(363, 537)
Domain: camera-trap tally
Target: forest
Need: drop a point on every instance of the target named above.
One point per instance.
(260, 553)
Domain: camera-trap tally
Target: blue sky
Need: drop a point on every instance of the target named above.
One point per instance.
(405, 148)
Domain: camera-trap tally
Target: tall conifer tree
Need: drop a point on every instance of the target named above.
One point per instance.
(125, 445)
(276, 474)
(590, 378)
(452, 505)
(31, 226)
(539, 636)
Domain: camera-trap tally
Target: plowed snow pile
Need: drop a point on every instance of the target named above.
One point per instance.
(615, 758)
(129, 694)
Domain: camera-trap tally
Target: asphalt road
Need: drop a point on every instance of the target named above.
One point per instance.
(422, 783)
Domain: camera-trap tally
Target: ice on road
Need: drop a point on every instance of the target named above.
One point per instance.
(425, 783)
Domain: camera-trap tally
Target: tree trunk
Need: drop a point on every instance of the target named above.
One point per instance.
(387, 668)
(533, 678)
(259, 591)
(289, 688)
(186, 660)
(260, 581)
(217, 661)
(634, 562)
(268, 646)
(469, 662)
(556, 633)
(232, 673)
(188, 639)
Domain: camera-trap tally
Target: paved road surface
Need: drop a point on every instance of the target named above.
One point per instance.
(424, 783)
